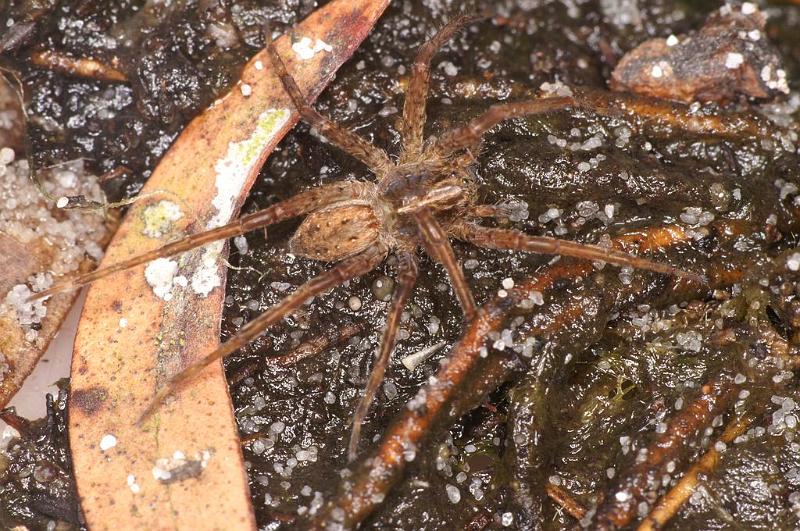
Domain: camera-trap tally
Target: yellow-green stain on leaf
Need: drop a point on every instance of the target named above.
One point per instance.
(159, 218)
(233, 169)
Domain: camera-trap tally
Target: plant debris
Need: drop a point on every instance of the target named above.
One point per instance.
(38, 243)
(729, 57)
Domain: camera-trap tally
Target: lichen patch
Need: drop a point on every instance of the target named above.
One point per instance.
(160, 275)
(160, 218)
(232, 169)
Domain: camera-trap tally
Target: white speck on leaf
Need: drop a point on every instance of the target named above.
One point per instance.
(108, 442)
(159, 275)
(304, 49)
(135, 488)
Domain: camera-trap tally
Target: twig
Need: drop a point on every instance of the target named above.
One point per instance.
(119, 171)
(78, 67)
(21, 424)
(71, 201)
(443, 399)
(622, 506)
(565, 500)
(672, 114)
(671, 502)
(304, 350)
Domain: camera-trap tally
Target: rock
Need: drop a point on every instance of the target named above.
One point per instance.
(728, 58)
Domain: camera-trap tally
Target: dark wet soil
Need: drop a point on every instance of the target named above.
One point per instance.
(586, 398)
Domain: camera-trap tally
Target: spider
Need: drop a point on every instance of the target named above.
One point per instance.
(416, 203)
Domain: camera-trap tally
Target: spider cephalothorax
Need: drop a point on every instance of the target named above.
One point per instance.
(417, 203)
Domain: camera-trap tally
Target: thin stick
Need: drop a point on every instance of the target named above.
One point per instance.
(21, 424)
(347, 269)
(673, 114)
(565, 500)
(671, 502)
(377, 474)
(79, 201)
(307, 349)
(621, 506)
(79, 67)
(407, 277)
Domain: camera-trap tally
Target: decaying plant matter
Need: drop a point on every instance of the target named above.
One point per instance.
(420, 202)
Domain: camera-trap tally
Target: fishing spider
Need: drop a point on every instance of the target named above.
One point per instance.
(418, 202)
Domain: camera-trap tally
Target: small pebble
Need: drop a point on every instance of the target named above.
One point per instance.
(453, 494)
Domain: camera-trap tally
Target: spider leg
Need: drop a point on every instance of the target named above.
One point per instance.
(519, 241)
(491, 211)
(438, 247)
(417, 91)
(468, 136)
(375, 158)
(297, 205)
(347, 269)
(407, 276)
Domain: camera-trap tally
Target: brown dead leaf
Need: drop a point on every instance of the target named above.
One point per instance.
(38, 242)
(184, 469)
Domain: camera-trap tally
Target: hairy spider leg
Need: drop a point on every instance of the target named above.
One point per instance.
(406, 278)
(375, 158)
(414, 106)
(510, 239)
(438, 247)
(297, 205)
(348, 269)
(468, 136)
(490, 211)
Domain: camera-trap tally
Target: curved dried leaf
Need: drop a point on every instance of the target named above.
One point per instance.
(184, 469)
(37, 241)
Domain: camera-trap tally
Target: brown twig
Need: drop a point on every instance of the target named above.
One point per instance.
(378, 474)
(307, 349)
(21, 424)
(671, 502)
(638, 485)
(78, 67)
(119, 171)
(674, 115)
(565, 500)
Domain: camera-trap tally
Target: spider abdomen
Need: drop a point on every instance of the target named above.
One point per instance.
(336, 232)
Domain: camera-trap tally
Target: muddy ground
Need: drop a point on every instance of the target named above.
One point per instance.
(582, 397)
